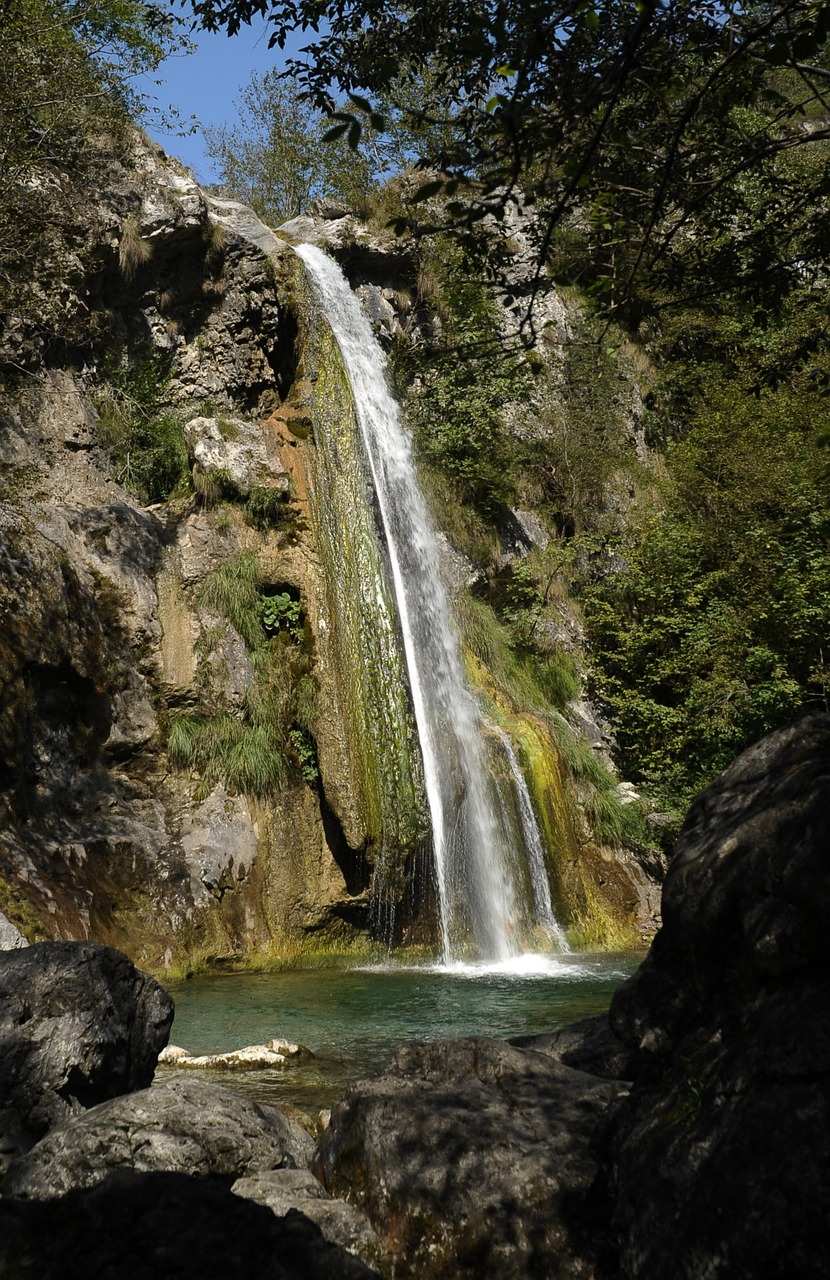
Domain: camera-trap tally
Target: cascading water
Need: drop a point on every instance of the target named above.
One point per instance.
(474, 878)
(533, 844)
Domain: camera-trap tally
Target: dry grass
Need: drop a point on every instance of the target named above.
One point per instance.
(133, 250)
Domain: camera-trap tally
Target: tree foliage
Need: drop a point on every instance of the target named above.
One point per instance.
(646, 116)
(276, 160)
(712, 628)
(67, 75)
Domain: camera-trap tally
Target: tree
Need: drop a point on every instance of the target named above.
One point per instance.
(276, 160)
(67, 73)
(645, 115)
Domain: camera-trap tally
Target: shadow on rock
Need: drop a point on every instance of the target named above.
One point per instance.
(718, 1164)
(142, 1226)
(78, 1024)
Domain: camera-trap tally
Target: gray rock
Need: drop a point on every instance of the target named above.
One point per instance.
(182, 1126)
(78, 1024)
(218, 843)
(237, 219)
(236, 450)
(471, 1158)
(11, 939)
(719, 1161)
(286, 1189)
(589, 1045)
(141, 1226)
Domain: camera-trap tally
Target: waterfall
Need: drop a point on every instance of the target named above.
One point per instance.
(472, 856)
(533, 844)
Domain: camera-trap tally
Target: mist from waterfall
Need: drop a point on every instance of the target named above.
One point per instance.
(474, 856)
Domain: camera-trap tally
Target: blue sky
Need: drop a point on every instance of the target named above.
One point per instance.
(205, 83)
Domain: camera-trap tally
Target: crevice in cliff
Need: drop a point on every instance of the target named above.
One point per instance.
(352, 862)
(282, 356)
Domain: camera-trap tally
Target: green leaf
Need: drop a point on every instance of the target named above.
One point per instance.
(362, 104)
(428, 190)
(335, 132)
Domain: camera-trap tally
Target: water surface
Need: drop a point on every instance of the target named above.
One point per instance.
(351, 1019)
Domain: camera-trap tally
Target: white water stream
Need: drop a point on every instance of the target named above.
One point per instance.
(475, 884)
(533, 844)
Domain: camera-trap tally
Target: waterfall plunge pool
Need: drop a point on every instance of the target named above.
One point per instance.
(351, 1019)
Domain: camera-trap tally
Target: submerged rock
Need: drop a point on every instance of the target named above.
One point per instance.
(140, 1226)
(184, 1126)
(274, 1053)
(471, 1158)
(78, 1024)
(719, 1161)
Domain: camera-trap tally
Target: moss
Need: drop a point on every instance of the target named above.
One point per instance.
(368, 665)
(17, 908)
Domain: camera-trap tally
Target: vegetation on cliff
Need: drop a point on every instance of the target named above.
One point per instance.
(66, 95)
(670, 165)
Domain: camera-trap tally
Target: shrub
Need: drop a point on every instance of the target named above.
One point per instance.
(145, 438)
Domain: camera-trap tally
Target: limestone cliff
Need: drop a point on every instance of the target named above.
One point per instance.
(138, 700)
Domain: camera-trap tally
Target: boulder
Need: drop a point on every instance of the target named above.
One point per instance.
(141, 1226)
(182, 1126)
(78, 1024)
(589, 1045)
(718, 1163)
(238, 452)
(471, 1158)
(285, 1189)
(11, 939)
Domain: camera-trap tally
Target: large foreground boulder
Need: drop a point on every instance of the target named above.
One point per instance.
(471, 1158)
(183, 1126)
(718, 1163)
(285, 1189)
(149, 1226)
(78, 1024)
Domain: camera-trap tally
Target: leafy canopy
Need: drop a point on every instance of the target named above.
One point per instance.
(643, 114)
(66, 87)
(275, 159)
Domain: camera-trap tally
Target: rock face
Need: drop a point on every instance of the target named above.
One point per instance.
(183, 1126)
(105, 641)
(719, 1162)
(116, 514)
(286, 1189)
(471, 1158)
(139, 1226)
(78, 1024)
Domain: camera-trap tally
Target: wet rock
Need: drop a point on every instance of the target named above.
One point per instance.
(183, 1126)
(341, 1223)
(471, 1158)
(274, 1053)
(139, 1226)
(78, 1024)
(719, 1161)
